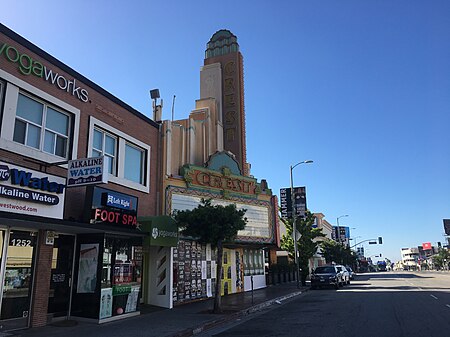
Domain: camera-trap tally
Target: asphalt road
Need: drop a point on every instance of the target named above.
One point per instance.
(376, 304)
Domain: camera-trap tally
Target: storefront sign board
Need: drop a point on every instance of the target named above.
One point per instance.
(87, 171)
(26, 191)
(163, 231)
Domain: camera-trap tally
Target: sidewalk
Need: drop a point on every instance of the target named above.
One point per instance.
(183, 320)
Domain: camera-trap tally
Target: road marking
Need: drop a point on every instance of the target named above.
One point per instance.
(434, 297)
(448, 305)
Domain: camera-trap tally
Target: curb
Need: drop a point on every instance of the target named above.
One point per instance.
(220, 321)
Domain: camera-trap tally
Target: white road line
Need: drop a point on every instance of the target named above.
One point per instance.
(448, 305)
(434, 297)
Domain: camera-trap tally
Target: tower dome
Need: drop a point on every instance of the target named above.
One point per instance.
(222, 42)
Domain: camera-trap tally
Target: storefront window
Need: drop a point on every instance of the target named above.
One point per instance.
(121, 276)
(18, 275)
(254, 262)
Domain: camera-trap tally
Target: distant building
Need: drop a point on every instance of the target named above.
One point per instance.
(410, 258)
(327, 229)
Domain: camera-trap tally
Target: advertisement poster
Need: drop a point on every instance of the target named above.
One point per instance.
(208, 288)
(132, 299)
(87, 274)
(203, 270)
(106, 303)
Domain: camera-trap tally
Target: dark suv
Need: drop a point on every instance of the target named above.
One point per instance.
(326, 276)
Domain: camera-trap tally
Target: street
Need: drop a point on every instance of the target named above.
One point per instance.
(375, 304)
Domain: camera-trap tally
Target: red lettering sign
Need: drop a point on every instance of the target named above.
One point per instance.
(114, 217)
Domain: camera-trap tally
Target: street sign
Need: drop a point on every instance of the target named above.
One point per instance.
(298, 235)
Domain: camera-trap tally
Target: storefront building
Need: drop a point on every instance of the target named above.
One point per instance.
(204, 156)
(77, 170)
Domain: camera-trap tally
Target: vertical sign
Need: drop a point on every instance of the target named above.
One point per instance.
(299, 202)
(447, 226)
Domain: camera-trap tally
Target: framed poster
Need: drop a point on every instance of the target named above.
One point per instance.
(87, 268)
(106, 303)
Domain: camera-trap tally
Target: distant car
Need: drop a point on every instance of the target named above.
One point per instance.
(345, 274)
(350, 272)
(324, 276)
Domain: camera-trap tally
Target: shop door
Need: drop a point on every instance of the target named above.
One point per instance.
(17, 279)
(61, 277)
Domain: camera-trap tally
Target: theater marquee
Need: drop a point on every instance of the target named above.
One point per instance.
(224, 180)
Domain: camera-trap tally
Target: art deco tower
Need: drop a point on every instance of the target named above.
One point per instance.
(222, 77)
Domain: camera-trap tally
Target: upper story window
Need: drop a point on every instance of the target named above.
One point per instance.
(128, 158)
(2, 88)
(134, 163)
(104, 143)
(41, 126)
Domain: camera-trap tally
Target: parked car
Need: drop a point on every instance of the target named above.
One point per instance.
(324, 276)
(345, 274)
(350, 272)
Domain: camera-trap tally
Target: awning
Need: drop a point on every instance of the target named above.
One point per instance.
(65, 226)
(163, 230)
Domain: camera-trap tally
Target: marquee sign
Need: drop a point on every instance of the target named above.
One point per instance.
(224, 180)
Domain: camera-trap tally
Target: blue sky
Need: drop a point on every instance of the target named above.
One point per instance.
(360, 87)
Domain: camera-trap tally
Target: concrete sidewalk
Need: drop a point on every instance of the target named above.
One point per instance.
(183, 320)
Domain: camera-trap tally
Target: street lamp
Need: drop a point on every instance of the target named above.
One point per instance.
(338, 229)
(294, 216)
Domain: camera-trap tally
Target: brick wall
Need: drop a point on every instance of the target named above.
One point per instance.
(41, 288)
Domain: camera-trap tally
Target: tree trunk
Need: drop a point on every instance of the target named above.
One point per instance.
(217, 297)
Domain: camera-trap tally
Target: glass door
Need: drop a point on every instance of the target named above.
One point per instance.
(61, 277)
(17, 279)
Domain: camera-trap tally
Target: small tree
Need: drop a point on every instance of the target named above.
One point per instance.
(336, 252)
(441, 258)
(306, 244)
(214, 225)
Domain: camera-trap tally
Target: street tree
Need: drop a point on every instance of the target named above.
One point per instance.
(336, 252)
(307, 243)
(213, 224)
(442, 258)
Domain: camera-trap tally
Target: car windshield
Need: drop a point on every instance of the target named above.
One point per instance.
(324, 270)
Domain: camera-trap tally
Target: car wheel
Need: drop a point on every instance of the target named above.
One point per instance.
(313, 287)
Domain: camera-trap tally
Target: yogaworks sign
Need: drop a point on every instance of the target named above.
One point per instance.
(28, 66)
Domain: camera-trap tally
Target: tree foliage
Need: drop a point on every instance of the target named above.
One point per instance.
(442, 258)
(336, 252)
(213, 224)
(307, 244)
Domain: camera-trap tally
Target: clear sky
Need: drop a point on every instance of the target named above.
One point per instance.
(360, 87)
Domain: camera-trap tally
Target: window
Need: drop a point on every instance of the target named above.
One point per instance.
(128, 157)
(105, 144)
(41, 126)
(2, 88)
(134, 164)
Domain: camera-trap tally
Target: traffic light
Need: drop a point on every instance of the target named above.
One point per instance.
(380, 240)
(439, 245)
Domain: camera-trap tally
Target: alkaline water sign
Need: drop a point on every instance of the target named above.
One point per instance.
(31, 192)
(87, 171)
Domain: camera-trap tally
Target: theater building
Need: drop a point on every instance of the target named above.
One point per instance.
(77, 170)
(204, 156)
